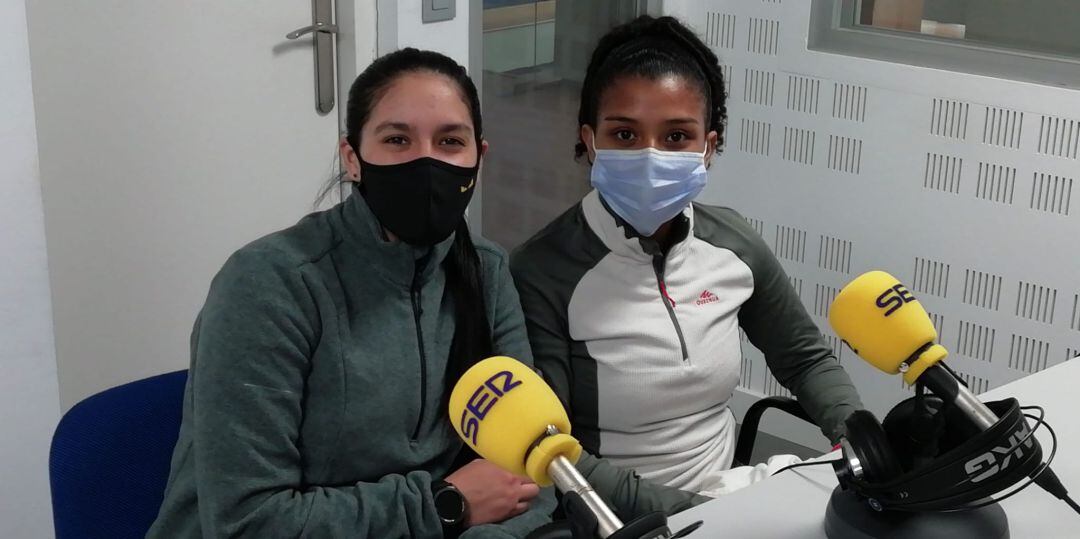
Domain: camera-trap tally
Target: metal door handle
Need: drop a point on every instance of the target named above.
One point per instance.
(322, 30)
(317, 27)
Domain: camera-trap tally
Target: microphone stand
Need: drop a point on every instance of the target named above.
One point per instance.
(589, 517)
(585, 525)
(585, 503)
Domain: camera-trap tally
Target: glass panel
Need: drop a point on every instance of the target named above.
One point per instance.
(1047, 26)
(535, 55)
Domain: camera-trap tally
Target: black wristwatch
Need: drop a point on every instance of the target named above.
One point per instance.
(451, 507)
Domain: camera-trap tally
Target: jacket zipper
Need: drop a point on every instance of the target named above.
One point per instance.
(658, 267)
(418, 310)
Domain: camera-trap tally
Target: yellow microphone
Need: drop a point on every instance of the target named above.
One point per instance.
(882, 322)
(505, 412)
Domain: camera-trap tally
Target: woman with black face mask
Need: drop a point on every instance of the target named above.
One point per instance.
(322, 360)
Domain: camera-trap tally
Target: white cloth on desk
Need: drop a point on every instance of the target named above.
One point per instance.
(723, 482)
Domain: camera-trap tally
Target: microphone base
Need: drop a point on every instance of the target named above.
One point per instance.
(848, 516)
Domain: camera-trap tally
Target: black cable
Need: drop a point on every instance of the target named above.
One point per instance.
(1071, 503)
(801, 464)
(952, 372)
(1045, 477)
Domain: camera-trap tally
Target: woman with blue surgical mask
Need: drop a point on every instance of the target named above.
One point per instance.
(634, 298)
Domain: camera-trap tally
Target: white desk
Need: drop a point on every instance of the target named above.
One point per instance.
(792, 504)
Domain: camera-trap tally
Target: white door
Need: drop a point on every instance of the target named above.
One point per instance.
(170, 134)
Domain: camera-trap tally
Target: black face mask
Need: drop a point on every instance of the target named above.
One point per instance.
(420, 201)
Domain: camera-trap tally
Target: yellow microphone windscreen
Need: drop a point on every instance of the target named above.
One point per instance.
(502, 408)
(883, 323)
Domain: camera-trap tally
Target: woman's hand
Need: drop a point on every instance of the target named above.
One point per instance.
(493, 494)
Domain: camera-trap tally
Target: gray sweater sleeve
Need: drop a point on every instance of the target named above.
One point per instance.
(508, 332)
(252, 345)
(629, 494)
(776, 322)
(510, 339)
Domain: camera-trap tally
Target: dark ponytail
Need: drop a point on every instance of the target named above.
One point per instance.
(464, 275)
(653, 47)
(465, 280)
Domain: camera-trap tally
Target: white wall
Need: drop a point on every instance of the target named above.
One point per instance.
(355, 22)
(853, 169)
(169, 137)
(401, 25)
(29, 399)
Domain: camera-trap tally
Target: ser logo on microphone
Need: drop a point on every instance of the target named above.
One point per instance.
(894, 298)
(482, 401)
(987, 465)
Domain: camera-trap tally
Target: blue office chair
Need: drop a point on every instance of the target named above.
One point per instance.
(110, 459)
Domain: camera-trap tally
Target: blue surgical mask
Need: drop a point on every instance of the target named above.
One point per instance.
(648, 187)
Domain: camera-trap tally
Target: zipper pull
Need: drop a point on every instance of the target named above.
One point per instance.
(663, 290)
(417, 285)
(658, 266)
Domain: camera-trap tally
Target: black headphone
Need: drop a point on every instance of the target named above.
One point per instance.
(925, 458)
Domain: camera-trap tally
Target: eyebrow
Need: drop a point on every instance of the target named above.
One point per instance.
(449, 128)
(397, 126)
(620, 119)
(402, 126)
(625, 119)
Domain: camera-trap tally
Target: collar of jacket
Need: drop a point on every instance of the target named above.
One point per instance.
(395, 261)
(623, 240)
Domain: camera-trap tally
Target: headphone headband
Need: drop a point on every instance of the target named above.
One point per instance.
(980, 467)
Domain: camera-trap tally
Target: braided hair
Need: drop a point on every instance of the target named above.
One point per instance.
(652, 48)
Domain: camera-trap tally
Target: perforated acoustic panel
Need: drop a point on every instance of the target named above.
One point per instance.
(959, 185)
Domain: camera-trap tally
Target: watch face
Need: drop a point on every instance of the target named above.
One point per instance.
(450, 505)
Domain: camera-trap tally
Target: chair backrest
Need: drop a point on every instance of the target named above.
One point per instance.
(110, 458)
(744, 446)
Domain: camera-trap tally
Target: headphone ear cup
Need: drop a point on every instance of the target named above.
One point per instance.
(915, 430)
(872, 448)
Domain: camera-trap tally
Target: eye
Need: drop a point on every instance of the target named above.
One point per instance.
(452, 141)
(678, 136)
(624, 135)
(396, 139)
